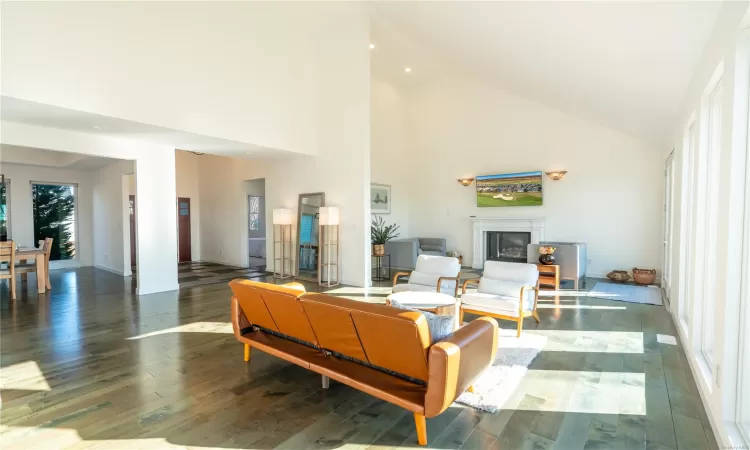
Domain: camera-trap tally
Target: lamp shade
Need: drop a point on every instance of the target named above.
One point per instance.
(282, 216)
(329, 215)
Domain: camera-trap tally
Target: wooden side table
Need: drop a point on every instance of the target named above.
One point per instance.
(549, 277)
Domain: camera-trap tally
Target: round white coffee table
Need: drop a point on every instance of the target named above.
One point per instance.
(435, 302)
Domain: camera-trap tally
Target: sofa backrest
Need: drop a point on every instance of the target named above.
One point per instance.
(527, 274)
(387, 337)
(380, 335)
(274, 307)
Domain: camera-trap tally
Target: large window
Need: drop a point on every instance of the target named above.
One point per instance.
(712, 116)
(54, 210)
(690, 155)
(5, 210)
(253, 220)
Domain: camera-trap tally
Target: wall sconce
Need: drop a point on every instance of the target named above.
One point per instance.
(556, 175)
(465, 181)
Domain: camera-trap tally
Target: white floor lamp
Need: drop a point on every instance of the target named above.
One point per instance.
(328, 260)
(282, 218)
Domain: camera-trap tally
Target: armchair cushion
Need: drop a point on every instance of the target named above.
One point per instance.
(500, 287)
(405, 287)
(527, 274)
(495, 303)
(442, 266)
(426, 279)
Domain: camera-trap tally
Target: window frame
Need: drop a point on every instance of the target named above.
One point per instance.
(6, 182)
(76, 221)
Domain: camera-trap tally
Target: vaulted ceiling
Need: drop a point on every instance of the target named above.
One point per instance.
(625, 65)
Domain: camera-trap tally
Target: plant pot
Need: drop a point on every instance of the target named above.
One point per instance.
(378, 249)
(618, 275)
(547, 259)
(644, 276)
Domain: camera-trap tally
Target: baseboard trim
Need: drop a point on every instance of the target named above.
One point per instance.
(108, 269)
(720, 433)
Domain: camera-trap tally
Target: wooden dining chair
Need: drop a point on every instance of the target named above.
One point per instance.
(23, 269)
(8, 254)
(46, 245)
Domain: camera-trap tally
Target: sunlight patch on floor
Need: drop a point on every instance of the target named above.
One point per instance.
(195, 327)
(548, 306)
(580, 392)
(591, 341)
(26, 376)
(666, 339)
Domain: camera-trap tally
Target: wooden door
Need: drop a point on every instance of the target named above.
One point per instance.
(132, 231)
(183, 229)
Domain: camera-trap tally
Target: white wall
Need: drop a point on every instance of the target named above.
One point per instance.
(610, 199)
(341, 168)
(718, 385)
(186, 172)
(155, 184)
(21, 206)
(391, 164)
(242, 75)
(111, 222)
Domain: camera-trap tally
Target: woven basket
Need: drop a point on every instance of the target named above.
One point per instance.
(618, 275)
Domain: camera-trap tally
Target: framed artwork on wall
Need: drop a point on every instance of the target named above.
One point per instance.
(511, 189)
(380, 198)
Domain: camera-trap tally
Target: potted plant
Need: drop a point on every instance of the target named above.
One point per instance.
(380, 233)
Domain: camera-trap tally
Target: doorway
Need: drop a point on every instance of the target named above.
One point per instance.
(666, 272)
(255, 202)
(184, 250)
(131, 211)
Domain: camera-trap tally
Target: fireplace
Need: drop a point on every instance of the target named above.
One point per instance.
(533, 228)
(508, 245)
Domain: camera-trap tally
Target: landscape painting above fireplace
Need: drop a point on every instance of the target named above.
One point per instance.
(512, 189)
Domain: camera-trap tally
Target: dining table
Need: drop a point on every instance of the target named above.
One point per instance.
(25, 254)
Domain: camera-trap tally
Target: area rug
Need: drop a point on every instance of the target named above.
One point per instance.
(650, 295)
(514, 356)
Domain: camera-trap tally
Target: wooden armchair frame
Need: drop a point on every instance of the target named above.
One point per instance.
(457, 278)
(521, 313)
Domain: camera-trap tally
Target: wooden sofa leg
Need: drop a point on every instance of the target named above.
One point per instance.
(471, 389)
(536, 316)
(520, 325)
(247, 352)
(421, 428)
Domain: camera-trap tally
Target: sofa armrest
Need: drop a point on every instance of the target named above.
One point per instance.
(403, 253)
(455, 362)
(239, 320)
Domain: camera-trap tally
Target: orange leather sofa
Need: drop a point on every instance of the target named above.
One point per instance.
(383, 351)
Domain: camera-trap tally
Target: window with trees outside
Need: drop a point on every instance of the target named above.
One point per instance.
(54, 211)
(5, 210)
(254, 213)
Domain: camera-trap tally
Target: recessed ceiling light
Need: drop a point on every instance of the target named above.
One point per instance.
(248, 153)
(96, 127)
(407, 69)
(372, 46)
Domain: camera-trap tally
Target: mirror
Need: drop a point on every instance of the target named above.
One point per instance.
(308, 218)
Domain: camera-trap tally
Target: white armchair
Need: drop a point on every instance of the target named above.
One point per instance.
(506, 291)
(431, 274)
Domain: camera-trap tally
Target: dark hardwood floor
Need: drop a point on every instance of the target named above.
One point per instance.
(91, 365)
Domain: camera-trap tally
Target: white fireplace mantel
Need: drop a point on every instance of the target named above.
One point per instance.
(481, 225)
